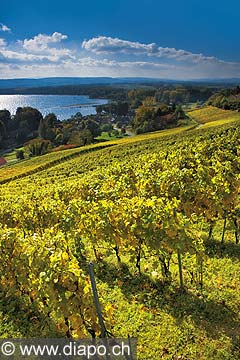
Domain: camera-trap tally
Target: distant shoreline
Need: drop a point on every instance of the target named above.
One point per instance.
(64, 106)
(80, 105)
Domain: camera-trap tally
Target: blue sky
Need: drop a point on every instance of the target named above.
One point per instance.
(187, 39)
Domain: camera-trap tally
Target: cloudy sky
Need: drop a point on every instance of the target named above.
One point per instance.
(187, 39)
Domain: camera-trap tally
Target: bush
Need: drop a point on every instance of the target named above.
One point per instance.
(106, 127)
(115, 132)
(20, 154)
(38, 147)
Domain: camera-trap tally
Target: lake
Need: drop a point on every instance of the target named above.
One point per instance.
(64, 106)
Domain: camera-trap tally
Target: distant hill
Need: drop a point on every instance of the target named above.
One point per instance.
(55, 81)
(61, 81)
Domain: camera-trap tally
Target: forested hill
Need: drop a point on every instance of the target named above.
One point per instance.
(61, 81)
(227, 99)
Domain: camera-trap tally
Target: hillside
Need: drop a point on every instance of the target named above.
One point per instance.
(205, 117)
(60, 81)
(157, 214)
(29, 166)
(228, 99)
(213, 116)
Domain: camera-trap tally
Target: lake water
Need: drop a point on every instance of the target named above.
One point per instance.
(64, 106)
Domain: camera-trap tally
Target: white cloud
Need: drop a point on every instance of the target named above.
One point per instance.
(88, 66)
(103, 44)
(4, 27)
(41, 42)
(2, 42)
(91, 62)
(39, 48)
(83, 67)
(10, 55)
(44, 55)
(108, 45)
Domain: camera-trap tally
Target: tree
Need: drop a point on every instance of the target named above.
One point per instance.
(47, 127)
(5, 118)
(50, 134)
(179, 113)
(38, 147)
(77, 116)
(29, 116)
(99, 109)
(115, 132)
(152, 118)
(2, 132)
(66, 135)
(149, 101)
(59, 139)
(50, 120)
(144, 115)
(106, 127)
(122, 108)
(42, 129)
(136, 103)
(22, 134)
(93, 127)
(164, 109)
(86, 137)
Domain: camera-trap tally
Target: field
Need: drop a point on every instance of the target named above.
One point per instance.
(29, 166)
(210, 114)
(158, 214)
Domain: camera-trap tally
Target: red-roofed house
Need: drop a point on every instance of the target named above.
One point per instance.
(2, 161)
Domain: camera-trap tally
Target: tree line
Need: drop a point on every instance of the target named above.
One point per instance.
(227, 99)
(40, 133)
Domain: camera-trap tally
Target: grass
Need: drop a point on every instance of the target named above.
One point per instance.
(174, 325)
(169, 324)
(11, 156)
(106, 137)
(190, 106)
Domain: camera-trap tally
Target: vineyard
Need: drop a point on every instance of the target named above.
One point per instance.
(159, 217)
(210, 115)
(32, 165)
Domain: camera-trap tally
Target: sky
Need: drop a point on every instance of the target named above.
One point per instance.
(174, 39)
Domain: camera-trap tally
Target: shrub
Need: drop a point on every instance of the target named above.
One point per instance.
(38, 147)
(20, 154)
